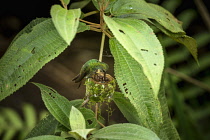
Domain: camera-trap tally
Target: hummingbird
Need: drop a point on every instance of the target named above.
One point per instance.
(90, 68)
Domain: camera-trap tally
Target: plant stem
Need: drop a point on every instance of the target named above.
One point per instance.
(102, 47)
(91, 13)
(64, 5)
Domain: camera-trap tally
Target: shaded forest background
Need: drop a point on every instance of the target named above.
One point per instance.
(187, 84)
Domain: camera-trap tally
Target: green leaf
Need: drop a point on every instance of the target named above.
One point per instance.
(46, 126)
(90, 119)
(66, 21)
(82, 27)
(167, 130)
(66, 2)
(76, 119)
(136, 87)
(57, 105)
(29, 115)
(81, 133)
(126, 108)
(158, 16)
(189, 42)
(46, 137)
(142, 44)
(125, 131)
(150, 11)
(79, 4)
(37, 44)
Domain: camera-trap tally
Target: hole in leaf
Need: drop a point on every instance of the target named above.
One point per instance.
(15, 85)
(19, 66)
(19, 76)
(89, 122)
(155, 64)
(33, 51)
(121, 31)
(145, 50)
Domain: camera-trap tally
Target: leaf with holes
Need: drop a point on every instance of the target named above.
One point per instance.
(57, 105)
(150, 11)
(142, 44)
(159, 17)
(66, 21)
(125, 131)
(136, 87)
(37, 44)
(60, 107)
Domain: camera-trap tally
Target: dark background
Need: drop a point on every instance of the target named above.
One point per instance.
(58, 74)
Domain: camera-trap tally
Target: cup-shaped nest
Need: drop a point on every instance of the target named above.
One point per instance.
(100, 87)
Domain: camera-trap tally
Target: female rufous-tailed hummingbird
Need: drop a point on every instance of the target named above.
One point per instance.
(90, 68)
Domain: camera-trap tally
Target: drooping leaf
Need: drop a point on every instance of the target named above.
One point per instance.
(57, 105)
(125, 131)
(158, 16)
(65, 21)
(76, 119)
(150, 11)
(46, 126)
(141, 43)
(136, 87)
(127, 109)
(46, 137)
(37, 44)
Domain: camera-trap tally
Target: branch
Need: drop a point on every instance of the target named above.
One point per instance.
(188, 79)
(204, 12)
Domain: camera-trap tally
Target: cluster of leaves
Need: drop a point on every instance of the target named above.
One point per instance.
(139, 64)
(13, 126)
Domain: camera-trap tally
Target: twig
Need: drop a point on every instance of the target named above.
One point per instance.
(102, 47)
(91, 13)
(188, 79)
(96, 115)
(204, 12)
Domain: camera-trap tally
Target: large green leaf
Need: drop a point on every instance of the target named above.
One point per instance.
(125, 131)
(57, 105)
(150, 11)
(37, 44)
(136, 87)
(158, 16)
(76, 119)
(65, 21)
(46, 126)
(60, 107)
(141, 43)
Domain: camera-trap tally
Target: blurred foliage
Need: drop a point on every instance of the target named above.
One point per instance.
(15, 126)
(188, 103)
